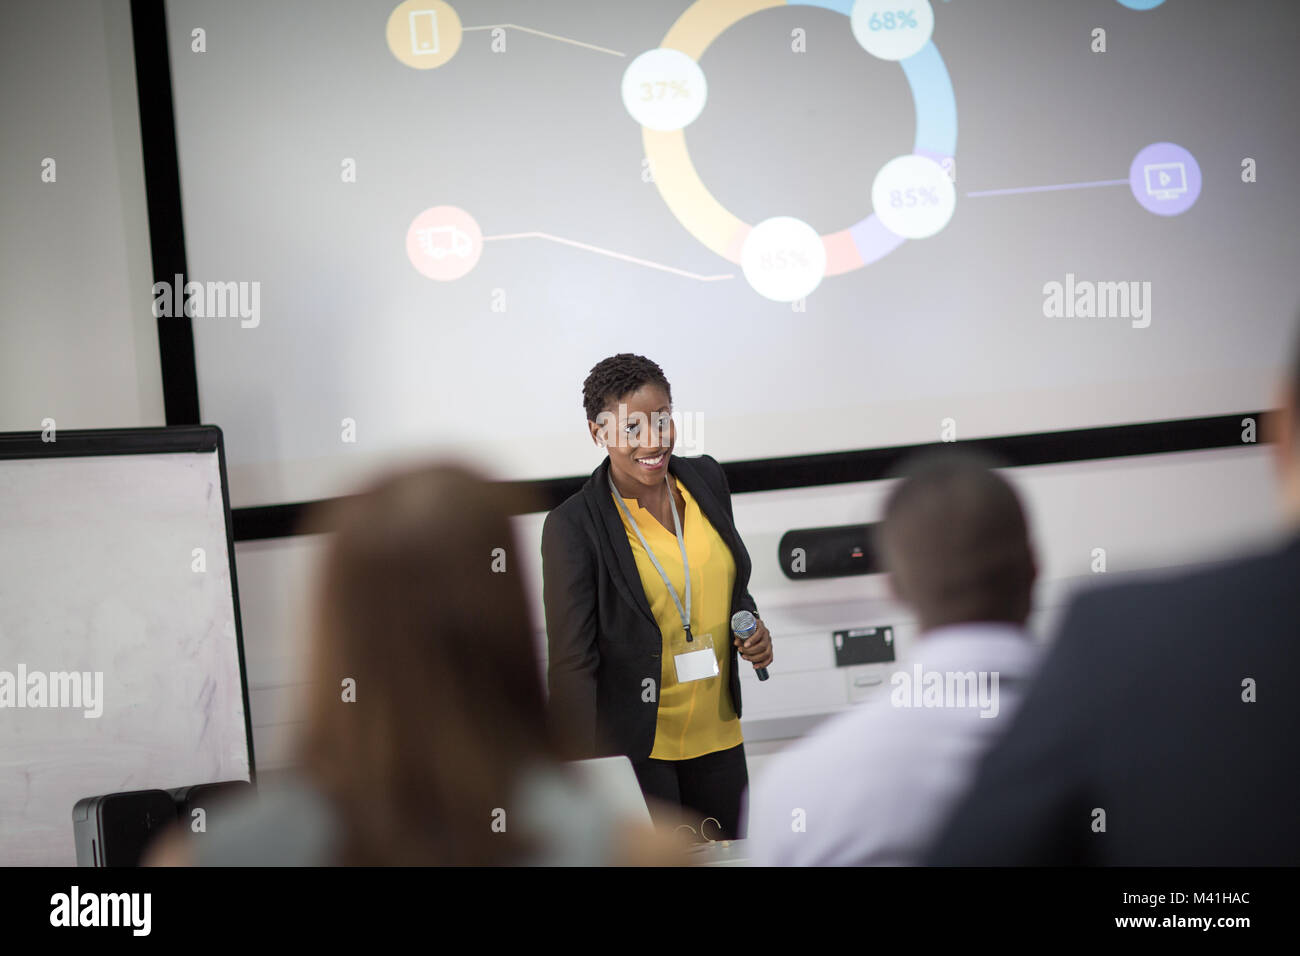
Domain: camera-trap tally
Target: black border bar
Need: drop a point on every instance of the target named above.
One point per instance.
(943, 908)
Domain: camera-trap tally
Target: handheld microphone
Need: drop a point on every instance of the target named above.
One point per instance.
(743, 625)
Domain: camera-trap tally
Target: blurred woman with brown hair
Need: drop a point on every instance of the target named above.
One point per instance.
(426, 739)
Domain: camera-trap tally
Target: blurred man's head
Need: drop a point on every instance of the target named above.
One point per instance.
(1286, 434)
(955, 542)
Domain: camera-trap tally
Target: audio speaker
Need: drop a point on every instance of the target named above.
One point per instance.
(838, 551)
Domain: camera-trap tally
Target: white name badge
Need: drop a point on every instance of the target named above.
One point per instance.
(697, 665)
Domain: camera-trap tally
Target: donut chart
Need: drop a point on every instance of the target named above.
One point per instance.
(867, 240)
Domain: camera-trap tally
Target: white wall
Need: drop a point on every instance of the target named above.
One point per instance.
(78, 341)
(1149, 512)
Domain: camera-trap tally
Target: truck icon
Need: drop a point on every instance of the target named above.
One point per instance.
(438, 242)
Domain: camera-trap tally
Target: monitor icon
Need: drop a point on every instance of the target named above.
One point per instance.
(1165, 180)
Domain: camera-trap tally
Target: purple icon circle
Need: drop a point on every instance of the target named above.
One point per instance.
(1165, 179)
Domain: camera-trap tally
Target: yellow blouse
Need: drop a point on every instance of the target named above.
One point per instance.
(695, 718)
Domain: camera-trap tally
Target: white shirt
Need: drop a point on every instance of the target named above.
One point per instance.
(872, 786)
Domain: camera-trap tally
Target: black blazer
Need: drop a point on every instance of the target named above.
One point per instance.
(1138, 710)
(604, 641)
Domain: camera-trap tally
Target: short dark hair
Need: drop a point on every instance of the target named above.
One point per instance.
(612, 378)
(954, 537)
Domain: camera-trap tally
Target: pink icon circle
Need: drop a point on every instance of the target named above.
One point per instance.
(444, 243)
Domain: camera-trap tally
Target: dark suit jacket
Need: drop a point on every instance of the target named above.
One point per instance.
(1138, 711)
(603, 639)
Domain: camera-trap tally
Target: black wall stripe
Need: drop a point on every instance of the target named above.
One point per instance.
(807, 471)
(162, 183)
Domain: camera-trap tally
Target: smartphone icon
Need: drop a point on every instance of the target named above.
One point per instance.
(424, 32)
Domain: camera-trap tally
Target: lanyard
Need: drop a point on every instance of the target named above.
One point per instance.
(685, 615)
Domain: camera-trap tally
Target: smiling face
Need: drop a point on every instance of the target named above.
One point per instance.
(639, 434)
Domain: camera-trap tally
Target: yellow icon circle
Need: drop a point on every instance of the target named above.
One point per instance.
(424, 33)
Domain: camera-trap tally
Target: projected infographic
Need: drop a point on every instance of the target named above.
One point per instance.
(913, 196)
(835, 224)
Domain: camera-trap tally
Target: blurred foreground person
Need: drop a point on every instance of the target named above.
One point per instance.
(872, 786)
(1163, 728)
(426, 739)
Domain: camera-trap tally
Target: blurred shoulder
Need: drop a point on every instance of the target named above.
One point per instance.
(1143, 614)
(803, 763)
(570, 823)
(289, 823)
(1193, 588)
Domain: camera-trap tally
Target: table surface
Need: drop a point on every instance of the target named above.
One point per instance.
(720, 853)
